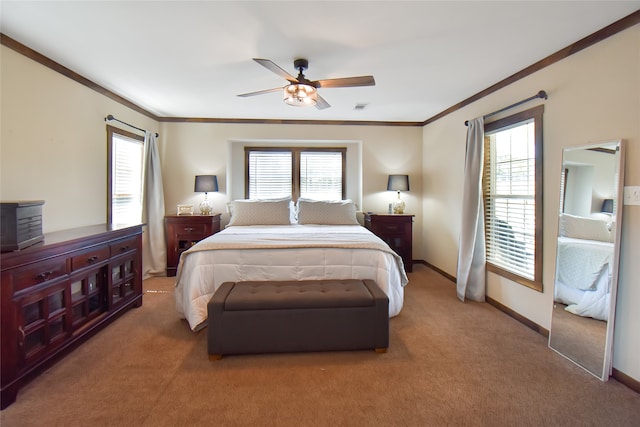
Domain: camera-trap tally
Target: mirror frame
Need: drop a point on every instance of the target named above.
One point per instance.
(607, 366)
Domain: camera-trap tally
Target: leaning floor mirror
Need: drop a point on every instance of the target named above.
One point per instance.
(588, 249)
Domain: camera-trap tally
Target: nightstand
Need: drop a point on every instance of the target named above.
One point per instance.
(396, 230)
(184, 231)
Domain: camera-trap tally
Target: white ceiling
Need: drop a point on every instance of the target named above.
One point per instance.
(191, 59)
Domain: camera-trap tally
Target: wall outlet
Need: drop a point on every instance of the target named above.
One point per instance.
(631, 195)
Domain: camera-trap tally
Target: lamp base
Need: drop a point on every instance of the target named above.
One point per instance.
(205, 207)
(398, 206)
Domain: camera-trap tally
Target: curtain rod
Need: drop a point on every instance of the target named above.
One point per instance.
(110, 118)
(541, 94)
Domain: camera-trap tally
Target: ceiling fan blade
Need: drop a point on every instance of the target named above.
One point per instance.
(321, 104)
(271, 66)
(260, 92)
(347, 82)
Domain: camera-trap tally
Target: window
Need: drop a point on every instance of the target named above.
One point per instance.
(312, 173)
(270, 174)
(321, 175)
(563, 187)
(124, 181)
(513, 197)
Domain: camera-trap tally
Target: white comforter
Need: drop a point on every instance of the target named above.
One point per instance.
(583, 277)
(285, 252)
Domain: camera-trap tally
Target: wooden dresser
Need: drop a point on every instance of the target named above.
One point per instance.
(184, 231)
(57, 293)
(396, 230)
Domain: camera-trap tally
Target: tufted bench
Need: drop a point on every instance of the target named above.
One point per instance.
(293, 316)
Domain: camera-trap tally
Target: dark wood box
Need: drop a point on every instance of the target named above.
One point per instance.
(21, 224)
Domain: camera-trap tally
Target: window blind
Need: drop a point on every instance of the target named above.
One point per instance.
(270, 174)
(313, 173)
(509, 193)
(321, 175)
(127, 180)
(563, 183)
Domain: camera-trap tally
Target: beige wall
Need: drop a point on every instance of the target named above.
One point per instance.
(53, 148)
(190, 149)
(53, 145)
(594, 96)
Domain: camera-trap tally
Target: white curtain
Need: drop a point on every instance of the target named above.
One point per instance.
(154, 252)
(471, 275)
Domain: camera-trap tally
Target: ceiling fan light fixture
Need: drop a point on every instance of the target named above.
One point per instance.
(300, 95)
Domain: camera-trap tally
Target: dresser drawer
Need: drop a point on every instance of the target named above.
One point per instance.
(389, 228)
(44, 271)
(123, 246)
(89, 258)
(191, 230)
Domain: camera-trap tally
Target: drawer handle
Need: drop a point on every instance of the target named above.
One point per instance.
(124, 248)
(189, 229)
(44, 275)
(92, 259)
(21, 337)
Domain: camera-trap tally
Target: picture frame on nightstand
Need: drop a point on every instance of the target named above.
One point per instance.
(185, 210)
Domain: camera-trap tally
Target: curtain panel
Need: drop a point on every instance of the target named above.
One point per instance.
(471, 274)
(154, 252)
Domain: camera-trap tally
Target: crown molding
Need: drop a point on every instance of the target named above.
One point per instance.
(287, 122)
(55, 66)
(598, 36)
(608, 31)
(49, 63)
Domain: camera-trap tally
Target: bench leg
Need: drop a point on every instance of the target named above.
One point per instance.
(378, 350)
(213, 357)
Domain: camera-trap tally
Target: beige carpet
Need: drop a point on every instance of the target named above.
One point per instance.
(581, 338)
(448, 363)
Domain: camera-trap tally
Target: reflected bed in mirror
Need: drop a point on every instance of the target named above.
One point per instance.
(587, 255)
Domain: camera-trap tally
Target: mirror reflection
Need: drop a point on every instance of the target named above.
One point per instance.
(587, 255)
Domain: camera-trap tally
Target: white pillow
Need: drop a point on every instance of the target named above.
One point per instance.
(293, 212)
(260, 212)
(341, 212)
(579, 227)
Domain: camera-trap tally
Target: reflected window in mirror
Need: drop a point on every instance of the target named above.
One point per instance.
(563, 187)
(513, 197)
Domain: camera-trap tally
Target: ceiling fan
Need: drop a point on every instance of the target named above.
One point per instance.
(302, 92)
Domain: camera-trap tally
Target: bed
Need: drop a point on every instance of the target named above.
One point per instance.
(583, 267)
(323, 241)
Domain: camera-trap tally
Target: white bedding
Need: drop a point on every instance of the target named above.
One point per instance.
(583, 276)
(285, 252)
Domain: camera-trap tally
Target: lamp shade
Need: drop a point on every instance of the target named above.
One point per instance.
(300, 95)
(206, 183)
(607, 206)
(398, 183)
